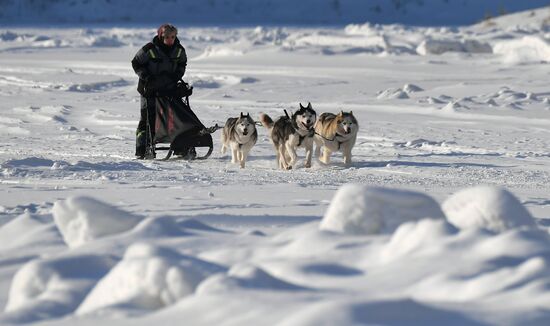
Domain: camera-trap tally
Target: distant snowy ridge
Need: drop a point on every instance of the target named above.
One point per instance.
(249, 12)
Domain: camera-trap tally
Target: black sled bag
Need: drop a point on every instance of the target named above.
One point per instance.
(178, 125)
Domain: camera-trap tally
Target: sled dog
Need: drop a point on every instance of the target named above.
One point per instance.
(335, 133)
(240, 135)
(289, 133)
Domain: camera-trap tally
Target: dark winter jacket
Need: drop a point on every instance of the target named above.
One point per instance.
(159, 67)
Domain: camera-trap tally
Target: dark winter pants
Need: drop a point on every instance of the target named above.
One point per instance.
(143, 135)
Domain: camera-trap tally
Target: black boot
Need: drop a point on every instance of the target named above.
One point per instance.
(140, 152)
(140, 144)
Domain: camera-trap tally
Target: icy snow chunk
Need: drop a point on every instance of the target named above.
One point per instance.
(104, 41)
(82, 219)
(487, 207)
(473, 46)
(148, 278)
(412, 88)
(454, 106)
(392, 93)
(358, 209)
(525, 50)
(9, 36)
(442, 46)
(398, 93)
(438, 47)
(220, 51)
(53, 287)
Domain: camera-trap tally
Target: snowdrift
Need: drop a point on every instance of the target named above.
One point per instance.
(374, 235)
(147, 278)
(529, 49)
(83, 219)
(357, 209)
(53, 287)
(486, 207)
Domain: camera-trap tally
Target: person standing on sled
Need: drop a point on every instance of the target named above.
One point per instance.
(159, 64)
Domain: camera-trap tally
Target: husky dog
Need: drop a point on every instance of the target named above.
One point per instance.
(289, 133)
(335, 133)
(240, 134)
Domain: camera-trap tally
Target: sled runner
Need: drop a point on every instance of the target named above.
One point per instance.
(177, 125)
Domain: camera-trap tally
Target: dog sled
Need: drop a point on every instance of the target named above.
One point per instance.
(177, 128)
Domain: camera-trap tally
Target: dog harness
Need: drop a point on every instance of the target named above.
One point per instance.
(333, 139)
(310, 132)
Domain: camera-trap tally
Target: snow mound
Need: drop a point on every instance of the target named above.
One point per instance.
(454, 106)
(399, 93)
(442, 46)
(392, 93)
(343, 43)
(97, 87)
(149, 277)
(219, 51)
(104, 41)
(262, 35)
(412, 88)
(216, 81)
(529, 49)
(83, 219)
(157, 227)
(29, 230)
(524, 275)
(358, 209)
(53, 287)
(414, 237)
(245, 276)
(487, 207)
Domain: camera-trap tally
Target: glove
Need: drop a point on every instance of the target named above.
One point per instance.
(149, 86)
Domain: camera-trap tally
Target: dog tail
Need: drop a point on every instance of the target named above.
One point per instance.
(266, 121)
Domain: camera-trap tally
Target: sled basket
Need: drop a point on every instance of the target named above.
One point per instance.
(177, 124)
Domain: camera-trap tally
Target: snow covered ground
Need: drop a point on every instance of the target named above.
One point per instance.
(442, 219)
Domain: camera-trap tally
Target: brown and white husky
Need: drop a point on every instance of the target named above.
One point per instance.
(335, 133)
(241, 135)
(290, 133)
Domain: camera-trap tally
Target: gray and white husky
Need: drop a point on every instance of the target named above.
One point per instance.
(240, 135)
(290, 133)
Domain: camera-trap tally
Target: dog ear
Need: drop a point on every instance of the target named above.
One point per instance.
(341, 113)
(242, 115)
(301, 106)
(309, 105)
(350, 112)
